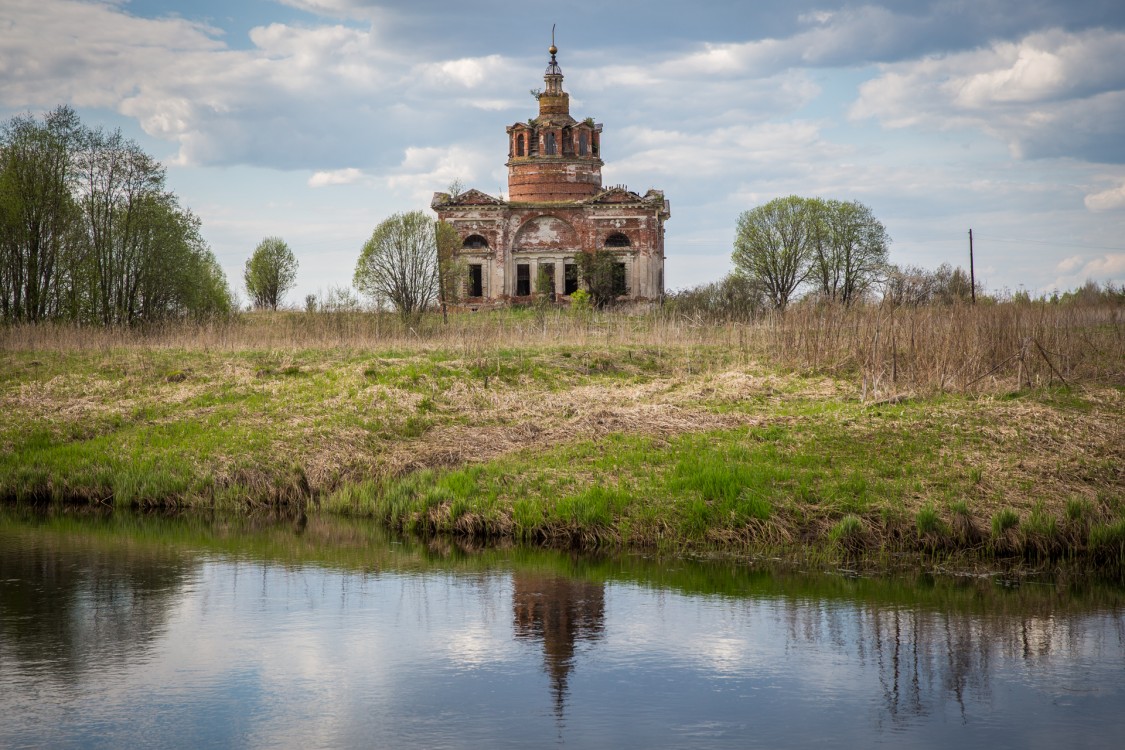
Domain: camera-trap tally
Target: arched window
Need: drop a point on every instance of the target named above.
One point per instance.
(551, 148)
(519, 145)
(475, 242)
(582, 143)
(617, 240)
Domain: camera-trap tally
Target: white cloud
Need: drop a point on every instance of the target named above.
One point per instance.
(1077, 270)
(467, 72)
(335, 177)
(426, 170)
(722, 151)
(1069, 264)
(1049, 94)
(1107, 200)
(300, 97)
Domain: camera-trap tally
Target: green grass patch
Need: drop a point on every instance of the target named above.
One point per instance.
(1003, 520)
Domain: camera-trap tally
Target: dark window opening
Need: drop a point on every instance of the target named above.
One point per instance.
(476, 280)
(519, 145)
(570, 278)
(551, 148)
(582, 144)
(619, 287)
(475, 242)
(617, 240)
(523, 280)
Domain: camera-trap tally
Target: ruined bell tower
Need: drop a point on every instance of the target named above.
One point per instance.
(553, 157)
(557, 207)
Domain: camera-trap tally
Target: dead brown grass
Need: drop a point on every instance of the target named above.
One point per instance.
(886, 351)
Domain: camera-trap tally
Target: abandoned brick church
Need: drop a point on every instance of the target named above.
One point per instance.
(556, 208)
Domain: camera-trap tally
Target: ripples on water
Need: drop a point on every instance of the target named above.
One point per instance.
(128, 632)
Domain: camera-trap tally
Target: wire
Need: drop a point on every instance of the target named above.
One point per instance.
(977, 236)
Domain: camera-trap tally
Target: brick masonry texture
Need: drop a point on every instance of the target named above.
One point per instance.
(556, 208)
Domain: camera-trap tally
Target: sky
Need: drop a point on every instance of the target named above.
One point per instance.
(314, 120)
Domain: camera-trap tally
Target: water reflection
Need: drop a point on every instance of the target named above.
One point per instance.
(559, 612)
(70, 606)
(325, 633)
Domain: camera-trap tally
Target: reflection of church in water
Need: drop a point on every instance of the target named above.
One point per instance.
(559, 612)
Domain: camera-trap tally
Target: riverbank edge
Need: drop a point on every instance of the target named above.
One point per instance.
(871, 542)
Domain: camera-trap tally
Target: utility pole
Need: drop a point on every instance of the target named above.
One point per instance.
(972, 272)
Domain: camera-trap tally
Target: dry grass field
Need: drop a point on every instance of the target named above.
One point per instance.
(994, 430)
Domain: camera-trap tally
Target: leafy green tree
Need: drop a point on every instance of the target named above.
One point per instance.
(773, 245)
(179, 275)
(603, 274)
(270, 272)
(451, 269)
(119, 185)
(850, 248)
(399, 266)
(89, 233)
(37, 211)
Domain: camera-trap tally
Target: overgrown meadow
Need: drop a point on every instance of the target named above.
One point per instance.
(870, 431)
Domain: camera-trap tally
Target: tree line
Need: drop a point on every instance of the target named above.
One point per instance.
(837, 249)
(89, 232)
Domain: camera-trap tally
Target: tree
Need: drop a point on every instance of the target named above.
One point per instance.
(451, 269)
(89, 233)
(37, 211)
(945, 285)
(849, 248)
(773, 245)
(399, 263)
(270, 272)
(603, 274)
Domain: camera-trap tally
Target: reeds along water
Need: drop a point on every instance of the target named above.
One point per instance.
(886, 350)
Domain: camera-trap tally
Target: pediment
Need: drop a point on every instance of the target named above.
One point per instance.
(474, 197)
(615, 195)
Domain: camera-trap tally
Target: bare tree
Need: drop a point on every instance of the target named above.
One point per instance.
(399, 263)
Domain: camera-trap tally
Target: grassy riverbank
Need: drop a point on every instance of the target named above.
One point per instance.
(995, 431)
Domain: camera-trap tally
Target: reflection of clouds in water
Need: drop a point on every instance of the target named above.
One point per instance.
(259, 654)
(908, 661)
(475, 646)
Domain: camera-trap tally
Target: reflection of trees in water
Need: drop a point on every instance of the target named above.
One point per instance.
(559, 612)
(76, 605)
(925, 657)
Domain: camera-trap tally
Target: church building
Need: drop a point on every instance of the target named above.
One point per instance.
(557, 207)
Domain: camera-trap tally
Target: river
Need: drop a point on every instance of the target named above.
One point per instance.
(132, 631)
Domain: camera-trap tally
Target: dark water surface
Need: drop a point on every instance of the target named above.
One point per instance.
(142, 632)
